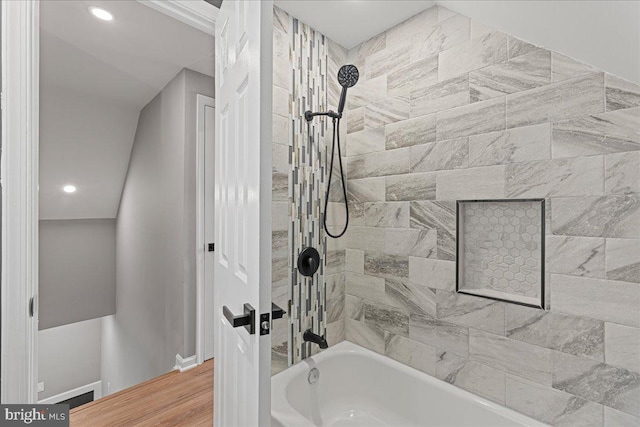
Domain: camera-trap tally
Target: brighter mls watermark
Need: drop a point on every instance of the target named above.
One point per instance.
(34, 415)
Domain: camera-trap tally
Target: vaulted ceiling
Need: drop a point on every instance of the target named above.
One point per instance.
(95, 77)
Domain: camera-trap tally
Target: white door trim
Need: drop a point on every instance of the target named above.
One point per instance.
(19, 176)
(198, 14)
(201, 252)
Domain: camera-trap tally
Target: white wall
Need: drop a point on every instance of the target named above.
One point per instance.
(154, 237)
(77, 270)
(69, 356)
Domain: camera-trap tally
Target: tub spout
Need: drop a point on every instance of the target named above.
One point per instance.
(309, 336)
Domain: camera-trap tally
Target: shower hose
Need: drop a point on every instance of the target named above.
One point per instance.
(336, 137)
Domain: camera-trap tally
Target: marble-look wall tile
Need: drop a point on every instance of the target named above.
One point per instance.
(515, 357)
(388, 318)
(391, 58)
(433, 273)
(439, 97)
(623, 260)
(476, 53)
(389, 162)
(621, 93)
(390, 110)
(452, 154)
(358, 54)
(606, 300)
(579, 336)
(365, 238)
(471, 311)
(389, 214)
(365, 142)
(365, 335)
(442, 335)
(355, 119)
(568, 68)
(354, 261)
(367, 92)
(335, 260)
(622, 346)
(412, 353)
(354, 166)
(363, 286)
(414, 242)
(366, 190)
(575, 256)
(480, 117)
(412, 297)
(479, 30)
(386, 265)
(609, 216)
(551, 406)
(440, 216)
(471, 376)
(335, 288)
(280, 175)
(622, 173)
(557, 101)
(353, 307)
(617, 388)
(605, 133)
(444, 13)
(517, 47)
(413, 76)
(580, 176)
(336, 332)
(281, 102)
(433, 40)
(518, 74)
(410, 132)
(409, 187)
(279, 216)
(614, 418)
(412, 26)
(523, 144)
(474, 183)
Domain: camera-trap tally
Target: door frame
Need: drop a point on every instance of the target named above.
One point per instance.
(19, 176)
(202, 275)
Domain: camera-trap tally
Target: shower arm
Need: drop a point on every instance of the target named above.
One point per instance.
(309, 115)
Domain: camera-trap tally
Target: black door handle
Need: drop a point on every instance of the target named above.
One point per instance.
(277, 312)
(248, 319)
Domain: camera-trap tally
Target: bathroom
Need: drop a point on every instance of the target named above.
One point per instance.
(446, 109)
(425, 213)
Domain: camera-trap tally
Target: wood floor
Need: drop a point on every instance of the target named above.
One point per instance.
(174, 399)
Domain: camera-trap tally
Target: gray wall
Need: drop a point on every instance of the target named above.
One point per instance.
(69, 356)
(448, 109)
(77, 269)
(155, 240)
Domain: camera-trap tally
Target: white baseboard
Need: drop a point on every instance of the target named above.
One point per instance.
(95, 387)
(186, 363)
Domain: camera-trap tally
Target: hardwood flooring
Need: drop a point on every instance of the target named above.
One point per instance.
(172, 400)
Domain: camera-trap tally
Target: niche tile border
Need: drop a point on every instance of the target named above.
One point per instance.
(498, 295)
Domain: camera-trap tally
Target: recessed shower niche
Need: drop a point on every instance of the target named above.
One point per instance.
(500, 250)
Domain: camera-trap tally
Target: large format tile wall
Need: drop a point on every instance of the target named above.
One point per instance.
(303, 58)
(448, 109)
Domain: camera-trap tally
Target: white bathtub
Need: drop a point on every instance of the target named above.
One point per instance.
(358, 387)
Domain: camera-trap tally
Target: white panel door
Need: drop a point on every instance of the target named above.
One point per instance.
(243, 212)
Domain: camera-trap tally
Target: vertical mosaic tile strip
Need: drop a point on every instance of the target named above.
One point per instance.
(307, 184)
(500, 249)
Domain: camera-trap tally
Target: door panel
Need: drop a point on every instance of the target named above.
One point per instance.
(243, 210)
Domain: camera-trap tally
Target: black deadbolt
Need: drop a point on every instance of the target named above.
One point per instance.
(308, 262)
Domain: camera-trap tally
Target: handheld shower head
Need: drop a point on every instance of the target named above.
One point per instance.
(347, 77)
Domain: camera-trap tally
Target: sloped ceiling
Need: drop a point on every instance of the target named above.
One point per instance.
(602, 33)
(95, 77)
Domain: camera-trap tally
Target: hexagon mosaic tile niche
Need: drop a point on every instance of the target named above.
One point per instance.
(501, 250)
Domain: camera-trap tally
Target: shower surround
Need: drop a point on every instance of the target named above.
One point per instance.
(448, 109)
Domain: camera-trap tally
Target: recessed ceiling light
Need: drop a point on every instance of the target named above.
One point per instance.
(69, 189)
(101, 13)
